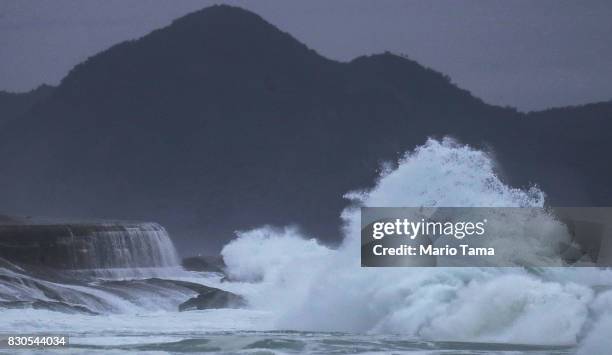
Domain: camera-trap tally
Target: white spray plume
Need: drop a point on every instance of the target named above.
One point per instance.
(312, 287)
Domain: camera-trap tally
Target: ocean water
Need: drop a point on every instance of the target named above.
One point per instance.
(304, 297)
(227, 332)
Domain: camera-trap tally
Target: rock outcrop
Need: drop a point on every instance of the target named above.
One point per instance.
(213, 298)
(208, 263)
(85, 245)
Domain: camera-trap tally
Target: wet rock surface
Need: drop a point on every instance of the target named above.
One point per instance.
(208, 263)
(213, 298)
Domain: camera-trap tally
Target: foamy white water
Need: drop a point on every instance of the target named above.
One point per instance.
(311, 287)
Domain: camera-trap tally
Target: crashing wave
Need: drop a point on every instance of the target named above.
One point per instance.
(312, 287)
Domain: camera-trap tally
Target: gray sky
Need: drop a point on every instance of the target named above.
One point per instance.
(528, 54)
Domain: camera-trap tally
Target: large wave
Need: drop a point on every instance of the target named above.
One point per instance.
(309, 286)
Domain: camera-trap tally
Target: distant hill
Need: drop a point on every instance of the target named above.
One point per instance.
(13, 105)
(572, 144)
(221, 122)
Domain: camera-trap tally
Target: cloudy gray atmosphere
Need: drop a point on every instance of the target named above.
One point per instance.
(527, 54)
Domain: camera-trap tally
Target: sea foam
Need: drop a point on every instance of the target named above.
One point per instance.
(312, 287)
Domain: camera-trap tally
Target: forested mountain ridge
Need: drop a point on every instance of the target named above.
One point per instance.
(221, 122)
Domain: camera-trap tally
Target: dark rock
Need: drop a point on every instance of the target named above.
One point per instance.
(213, 298)
(208, 297)
(210, 263)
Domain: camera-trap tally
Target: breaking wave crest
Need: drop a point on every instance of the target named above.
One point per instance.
(309, 286)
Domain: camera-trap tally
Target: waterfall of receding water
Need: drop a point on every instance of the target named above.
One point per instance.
(89, 267)
(123, 246)
(87, 246)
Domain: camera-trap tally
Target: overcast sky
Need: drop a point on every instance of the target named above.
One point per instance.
(527, 54)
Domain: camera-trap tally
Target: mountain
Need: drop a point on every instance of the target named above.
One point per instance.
(13, 105)
(573, 143)
(221, 122)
